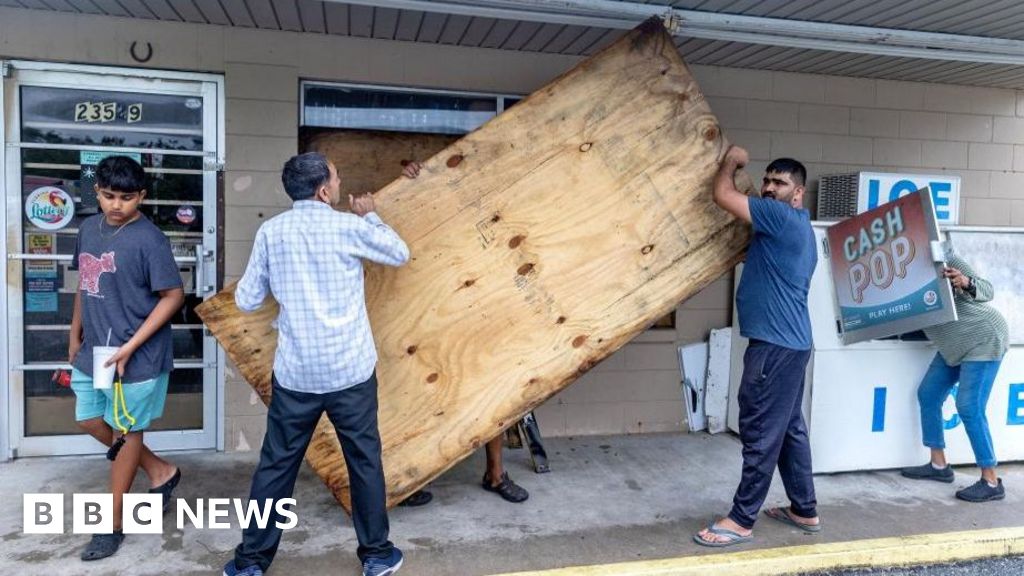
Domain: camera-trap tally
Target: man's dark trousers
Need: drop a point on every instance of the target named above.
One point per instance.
(773, 431)
(291, 420)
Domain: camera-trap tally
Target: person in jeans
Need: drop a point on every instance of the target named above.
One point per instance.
(772, 305)
(970, 351)
(311, 259)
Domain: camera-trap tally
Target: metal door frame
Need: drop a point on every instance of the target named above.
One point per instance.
(210, 88)
(5, 386)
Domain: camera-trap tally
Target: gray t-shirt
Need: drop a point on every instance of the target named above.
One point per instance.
(120, 277)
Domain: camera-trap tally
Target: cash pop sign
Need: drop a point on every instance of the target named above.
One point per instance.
(887, 270)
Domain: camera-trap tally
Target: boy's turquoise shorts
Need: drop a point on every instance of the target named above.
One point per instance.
(145, 401)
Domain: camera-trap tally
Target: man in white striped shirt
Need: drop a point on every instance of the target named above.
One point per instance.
(310, 259)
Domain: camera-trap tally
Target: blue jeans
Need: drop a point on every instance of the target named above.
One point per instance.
(976, 379)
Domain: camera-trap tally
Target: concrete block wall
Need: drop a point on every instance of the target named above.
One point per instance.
(836, 124)
(833, 124)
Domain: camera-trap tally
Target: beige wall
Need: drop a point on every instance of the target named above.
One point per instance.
(833, 124)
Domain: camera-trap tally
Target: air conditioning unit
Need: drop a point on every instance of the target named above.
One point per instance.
(837, 196)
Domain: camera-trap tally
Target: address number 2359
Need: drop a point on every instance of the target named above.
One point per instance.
(107, 112)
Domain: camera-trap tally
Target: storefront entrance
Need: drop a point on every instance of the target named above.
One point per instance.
(58, 122)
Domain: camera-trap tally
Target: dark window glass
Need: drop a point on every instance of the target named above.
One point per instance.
(341, 107)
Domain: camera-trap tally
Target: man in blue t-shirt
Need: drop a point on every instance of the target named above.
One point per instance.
(772, 305)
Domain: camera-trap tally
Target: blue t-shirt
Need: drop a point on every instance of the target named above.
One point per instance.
(119, 276)
(772, 297)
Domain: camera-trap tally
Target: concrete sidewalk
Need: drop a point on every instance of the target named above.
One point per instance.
(608, 499)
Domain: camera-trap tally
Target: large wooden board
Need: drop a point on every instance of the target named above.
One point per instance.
(369, 160)
(541, 243)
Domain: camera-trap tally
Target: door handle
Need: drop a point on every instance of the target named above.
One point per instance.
(198, 278)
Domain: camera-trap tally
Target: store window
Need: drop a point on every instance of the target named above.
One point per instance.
(395, 110)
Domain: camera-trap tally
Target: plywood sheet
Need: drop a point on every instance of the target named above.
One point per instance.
(369, 160)
(541, 243)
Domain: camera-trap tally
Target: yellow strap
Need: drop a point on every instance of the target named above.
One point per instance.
(117, 419)
(124, 404)
(119, 396)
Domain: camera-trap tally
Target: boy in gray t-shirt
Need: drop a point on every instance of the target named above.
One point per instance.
(129, 288)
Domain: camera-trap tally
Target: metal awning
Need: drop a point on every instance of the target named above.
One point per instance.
(978, 43)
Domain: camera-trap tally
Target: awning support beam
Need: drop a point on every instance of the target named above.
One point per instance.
(623, 15)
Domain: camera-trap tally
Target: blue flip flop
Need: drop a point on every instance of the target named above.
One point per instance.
(733, 537)
(781, 515)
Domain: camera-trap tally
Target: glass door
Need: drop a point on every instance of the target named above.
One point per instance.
(61, 122)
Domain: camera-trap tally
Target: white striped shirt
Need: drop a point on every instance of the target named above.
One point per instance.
(310, 259)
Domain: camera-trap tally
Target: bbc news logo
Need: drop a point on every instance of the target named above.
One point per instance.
(143, 513)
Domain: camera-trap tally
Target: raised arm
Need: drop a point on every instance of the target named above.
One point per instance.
(376, 241)
(726, 194)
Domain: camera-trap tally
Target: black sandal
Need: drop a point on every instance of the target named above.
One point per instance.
(507, 489)
(167, 488)
(102, 545)
(417, 498)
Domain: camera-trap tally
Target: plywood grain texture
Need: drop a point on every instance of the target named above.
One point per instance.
(541, 243)
(368, 160)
